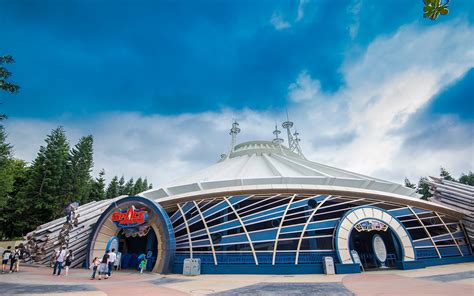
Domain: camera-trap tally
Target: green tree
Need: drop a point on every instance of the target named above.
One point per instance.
(446, 175)
(128, 188)
(14, 218)
(423, 189)
(4, 76)
(138, 186)
(467, 179)
(45, 191)
(434, 8)
(6, 176)
(98, 187)
(113, 189)
(145, 184)
(121, 186)
(79, 170)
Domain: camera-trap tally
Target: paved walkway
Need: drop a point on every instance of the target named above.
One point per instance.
(445, 280)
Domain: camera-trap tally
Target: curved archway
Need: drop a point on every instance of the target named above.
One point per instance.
(359, 214)
(156, 218)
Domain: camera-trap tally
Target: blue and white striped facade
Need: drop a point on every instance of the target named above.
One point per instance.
(286, 230)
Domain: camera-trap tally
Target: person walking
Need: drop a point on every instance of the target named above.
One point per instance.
(103, 267)
(60, 256)
(95, 264)
(68, 262)
(15, 260)
(5, 257)
(143, 265)
(111, 261)
(118, 261)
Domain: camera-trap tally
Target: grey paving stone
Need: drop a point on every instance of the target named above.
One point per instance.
(162, 281)
(290, 289)
(450, 277)
(18, 289)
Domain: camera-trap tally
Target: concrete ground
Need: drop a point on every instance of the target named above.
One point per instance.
(455, 279)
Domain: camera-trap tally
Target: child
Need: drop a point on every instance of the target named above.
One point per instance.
(5, 257)
(103, 267)
(142, 265)
(15, 260)
(95, 264)
(68, 262)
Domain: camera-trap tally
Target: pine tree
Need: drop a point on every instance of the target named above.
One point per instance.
(14, 215)
(145, 184)
(5, 85)
(467, 179)
(121, 186)
(128, 188)
(446, 175)
(138, 187)
(113, 188)
(98, 187)
(79, 169)
(6, 174)
(423, 189)
(151, 186)
(45, 192)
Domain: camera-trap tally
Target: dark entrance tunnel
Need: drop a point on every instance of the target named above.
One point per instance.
(362, 242)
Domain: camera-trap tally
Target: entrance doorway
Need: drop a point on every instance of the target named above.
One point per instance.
(133, 248)
(362, 242)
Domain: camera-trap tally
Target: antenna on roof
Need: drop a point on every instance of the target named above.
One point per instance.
(293, 142)
(277, 139)
(288, 125)
(233, 132)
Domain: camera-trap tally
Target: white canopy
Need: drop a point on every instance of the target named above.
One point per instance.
(267, 163)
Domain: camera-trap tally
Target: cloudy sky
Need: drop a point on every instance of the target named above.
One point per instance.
(372, 86)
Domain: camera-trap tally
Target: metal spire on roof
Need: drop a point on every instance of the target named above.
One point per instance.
(233, 132)
(297, 144)
(288, 125)
(293, 143)
(277, 139)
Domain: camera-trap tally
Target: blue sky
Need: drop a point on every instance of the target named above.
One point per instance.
(117, 69)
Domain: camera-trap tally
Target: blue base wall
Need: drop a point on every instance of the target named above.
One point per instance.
(270, 269)
(347, 268)
(313, 268)
(255, 269)
(433, 262)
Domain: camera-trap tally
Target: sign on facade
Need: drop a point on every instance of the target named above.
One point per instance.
(132, 217)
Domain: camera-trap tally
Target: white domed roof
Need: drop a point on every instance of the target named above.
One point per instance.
(264, 163)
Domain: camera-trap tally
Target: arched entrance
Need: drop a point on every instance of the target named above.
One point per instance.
(135, 224)
(363, 241)
(357, 230)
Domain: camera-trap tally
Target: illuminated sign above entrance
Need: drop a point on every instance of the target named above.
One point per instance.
(129, 218)
(371, 225)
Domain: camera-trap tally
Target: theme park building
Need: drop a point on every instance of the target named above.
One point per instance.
(264, 208)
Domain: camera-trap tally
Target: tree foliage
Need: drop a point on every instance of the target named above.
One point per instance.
(5, 84)
(423, 189)
(434, 8)
(467, 179)
(31, 195)
(79, 170)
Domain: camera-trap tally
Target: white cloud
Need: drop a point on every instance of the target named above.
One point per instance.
(278, 22)
(353, 10)
(300, 13)
(304, 88)
(364, 127)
